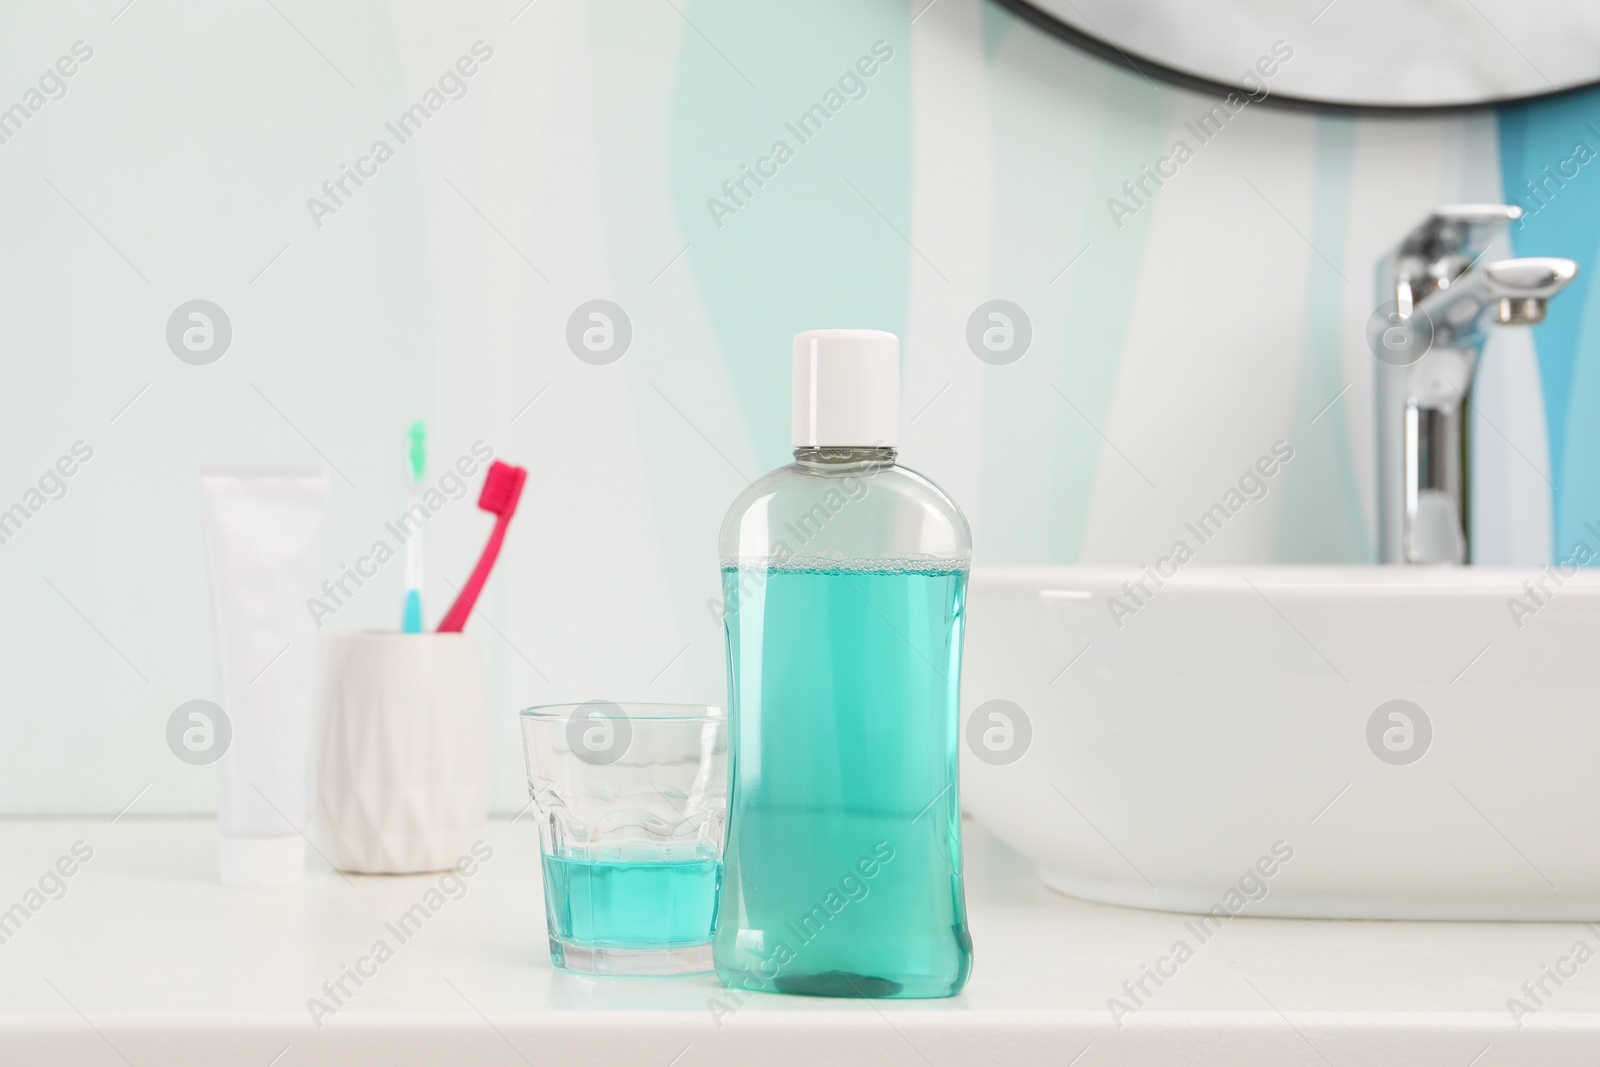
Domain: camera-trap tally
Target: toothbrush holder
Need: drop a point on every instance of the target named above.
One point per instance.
(405, 765)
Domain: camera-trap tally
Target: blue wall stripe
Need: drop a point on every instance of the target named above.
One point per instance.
(1542, 144)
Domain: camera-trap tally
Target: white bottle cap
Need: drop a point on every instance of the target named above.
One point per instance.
(846, 389)
(258, 861)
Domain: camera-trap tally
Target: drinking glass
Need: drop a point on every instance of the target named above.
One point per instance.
(632, 805)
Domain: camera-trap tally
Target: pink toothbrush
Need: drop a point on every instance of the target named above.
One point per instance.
(502, 488)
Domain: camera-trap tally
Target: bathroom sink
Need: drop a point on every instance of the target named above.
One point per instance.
(1366, 742)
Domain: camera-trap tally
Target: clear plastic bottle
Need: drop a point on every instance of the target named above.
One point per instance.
(844, 587)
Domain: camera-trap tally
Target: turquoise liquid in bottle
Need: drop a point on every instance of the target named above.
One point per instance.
(843, 863)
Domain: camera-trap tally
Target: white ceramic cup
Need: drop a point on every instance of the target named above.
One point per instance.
(405, 769)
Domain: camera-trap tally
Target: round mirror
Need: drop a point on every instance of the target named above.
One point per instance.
(1342, 54)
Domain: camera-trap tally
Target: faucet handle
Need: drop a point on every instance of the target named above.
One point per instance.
(1440, 249)
(1458, 230)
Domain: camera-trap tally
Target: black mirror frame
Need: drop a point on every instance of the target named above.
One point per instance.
(1151, 69)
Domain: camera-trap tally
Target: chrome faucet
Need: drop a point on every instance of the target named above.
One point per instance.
(1436, 304)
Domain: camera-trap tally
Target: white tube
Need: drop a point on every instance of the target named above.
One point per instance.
(266, 545)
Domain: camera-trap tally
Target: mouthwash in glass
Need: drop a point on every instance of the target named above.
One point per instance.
(844, 587)
(631, 896)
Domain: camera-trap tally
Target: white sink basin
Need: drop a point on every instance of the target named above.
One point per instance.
(1237, 710)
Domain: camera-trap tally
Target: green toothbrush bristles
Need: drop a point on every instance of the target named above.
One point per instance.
(419, 450)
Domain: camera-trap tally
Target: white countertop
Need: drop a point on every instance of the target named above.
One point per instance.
(146, 960)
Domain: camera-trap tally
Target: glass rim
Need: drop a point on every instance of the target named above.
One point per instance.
(645, 710)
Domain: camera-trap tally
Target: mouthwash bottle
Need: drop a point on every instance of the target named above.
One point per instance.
(844, 587)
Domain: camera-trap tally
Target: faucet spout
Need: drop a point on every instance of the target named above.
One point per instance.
(1437, 307)
(1529, 284)
(1515, 292)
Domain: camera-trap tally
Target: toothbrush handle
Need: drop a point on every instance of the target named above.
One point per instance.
(456, 617)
